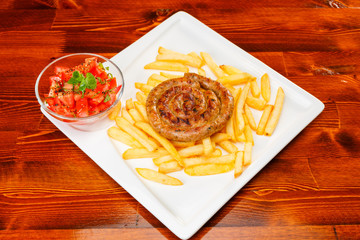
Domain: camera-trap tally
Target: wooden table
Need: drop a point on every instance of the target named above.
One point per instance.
(49, 189)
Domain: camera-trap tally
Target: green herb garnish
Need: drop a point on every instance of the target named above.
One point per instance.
(88, 82)
(107, 98)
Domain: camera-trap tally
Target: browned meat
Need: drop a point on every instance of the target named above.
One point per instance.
(189, 108)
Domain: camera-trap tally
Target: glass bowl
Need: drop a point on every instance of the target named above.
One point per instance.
(92, 122)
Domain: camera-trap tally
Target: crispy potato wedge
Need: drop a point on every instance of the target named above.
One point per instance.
(155, 176)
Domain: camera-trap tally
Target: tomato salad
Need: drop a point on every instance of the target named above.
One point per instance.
(81, 91)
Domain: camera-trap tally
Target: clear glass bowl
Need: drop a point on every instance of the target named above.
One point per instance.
(92, 122)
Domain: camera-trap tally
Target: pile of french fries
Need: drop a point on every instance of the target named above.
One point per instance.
(203, 157)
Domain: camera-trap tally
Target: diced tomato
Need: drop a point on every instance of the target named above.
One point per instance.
(59, 69)
(66, 99)
(113, 83)
(82, 107)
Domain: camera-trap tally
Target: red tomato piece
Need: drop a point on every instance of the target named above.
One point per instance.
(82, 107)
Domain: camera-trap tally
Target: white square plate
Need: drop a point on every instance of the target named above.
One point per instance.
(184, 209)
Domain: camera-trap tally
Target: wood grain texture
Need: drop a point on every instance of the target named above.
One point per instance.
(49, 189)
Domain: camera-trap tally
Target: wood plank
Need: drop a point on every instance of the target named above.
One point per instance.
(20, 20)
(275, 29)
(271, 232)
(347, 232)
(289, 208)
(330, 63)
(88, 233)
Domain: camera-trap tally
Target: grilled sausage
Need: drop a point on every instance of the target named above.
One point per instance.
(189, 108)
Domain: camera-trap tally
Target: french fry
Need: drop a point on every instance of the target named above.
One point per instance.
(195, 55)
(169, 75)
(115, 112)
(225, 159)
(125, 114)
(155, 176)
(264, 119)
(216, 153)
(169, 66)
(162, 50)
(248, 134)
(135, 115)
(136, 133)
(254, 88)
(230, 130)
(178, 144)
(212, 65)
(239, 109)
(250, 117)
(179, 58)
(230, 70)
(169, 167)
(185, 152)
(201, 72)
(275, 114)
(121, 136)
(158, 77)
(133, 153)
(152, 82)
(129, 104)
(228, 146)
(256, 103)
(162, 140)
(247, 153)
(236, 79)
(219, 137)
(141, 97)
(265, 87)
(208, 147)
(143, 87)
(239, 164)
(208, 169)
(142, 110)
(241, 137)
